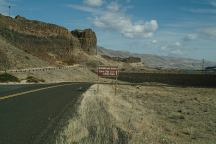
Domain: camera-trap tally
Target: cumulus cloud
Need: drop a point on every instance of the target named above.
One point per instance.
(94, 3)
(209, 32)
(190, 37)
(176, 52)
(113, 7)
(82, 8)
(177, 44)
(115, 19)
(172, 49)
(202, 33)
(154, 41)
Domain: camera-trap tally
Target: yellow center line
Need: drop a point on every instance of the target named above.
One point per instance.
(31, 91)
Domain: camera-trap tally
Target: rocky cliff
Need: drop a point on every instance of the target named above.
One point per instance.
(87, 38)
(47, 41)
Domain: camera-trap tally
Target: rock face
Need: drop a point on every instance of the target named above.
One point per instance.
(87, 38)
(47, 41)
(39, 28)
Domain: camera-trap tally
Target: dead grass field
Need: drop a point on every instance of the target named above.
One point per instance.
(144, 115)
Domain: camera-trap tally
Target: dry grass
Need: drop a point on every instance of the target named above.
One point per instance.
(144, 115)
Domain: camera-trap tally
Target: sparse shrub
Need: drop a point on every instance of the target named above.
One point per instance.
(4, 62)
(8, 78)
(70, 61)
(164, 140)
(123, 69)
(93, 64)
(26, 57)
(31, 79)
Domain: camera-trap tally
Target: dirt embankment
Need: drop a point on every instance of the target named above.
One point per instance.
(159, 115)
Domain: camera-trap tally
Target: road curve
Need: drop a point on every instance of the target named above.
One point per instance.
(34, 118)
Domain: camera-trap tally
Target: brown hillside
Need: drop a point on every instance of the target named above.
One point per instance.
(14, 58)
(49, 42)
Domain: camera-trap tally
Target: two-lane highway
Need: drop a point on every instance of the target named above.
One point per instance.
(32, 115)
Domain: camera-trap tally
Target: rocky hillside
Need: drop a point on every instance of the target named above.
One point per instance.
(49, 42)
(14, 58)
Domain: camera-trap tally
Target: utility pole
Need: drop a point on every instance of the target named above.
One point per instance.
(203, 64)
(9, 10)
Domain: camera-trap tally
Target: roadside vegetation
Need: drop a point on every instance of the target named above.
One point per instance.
(5, 77)
(144, 115)
(31, 79)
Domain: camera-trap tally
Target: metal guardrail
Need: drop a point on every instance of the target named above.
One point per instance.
(41, 69)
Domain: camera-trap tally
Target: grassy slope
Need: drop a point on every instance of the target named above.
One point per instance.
(159, 115)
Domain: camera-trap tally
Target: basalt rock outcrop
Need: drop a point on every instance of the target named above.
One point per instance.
(49, 42)
(87, 38)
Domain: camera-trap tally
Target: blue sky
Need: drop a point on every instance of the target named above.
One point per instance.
(180, 28)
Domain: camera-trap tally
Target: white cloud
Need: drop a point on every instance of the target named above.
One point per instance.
(115, 19)
(178, 44)
(154, 41)
(113, 7)
(172, 49)
(83, 8)
(190, 37)
(176, 52)
(93, 3)
(209, 32)
(163, 48)
(4, 7)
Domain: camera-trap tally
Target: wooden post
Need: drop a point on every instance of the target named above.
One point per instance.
(116, 82)
(98, 80)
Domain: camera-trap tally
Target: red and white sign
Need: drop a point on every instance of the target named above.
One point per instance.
(108, 71)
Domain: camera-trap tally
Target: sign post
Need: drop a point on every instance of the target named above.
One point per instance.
(108, 71)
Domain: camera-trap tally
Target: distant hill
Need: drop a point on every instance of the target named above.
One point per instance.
(159, 62)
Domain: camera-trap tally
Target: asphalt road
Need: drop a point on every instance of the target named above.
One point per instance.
(37, 117)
